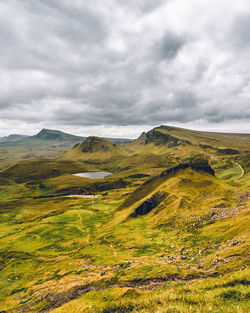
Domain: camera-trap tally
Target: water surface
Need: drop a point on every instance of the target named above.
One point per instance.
(93, 175)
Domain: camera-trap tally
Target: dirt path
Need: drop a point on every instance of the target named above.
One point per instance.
(242, 170)
(82, 196)
(55, 300)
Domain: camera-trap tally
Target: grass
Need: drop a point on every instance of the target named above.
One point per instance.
(93, 255)
(171, 297)
(85, 243)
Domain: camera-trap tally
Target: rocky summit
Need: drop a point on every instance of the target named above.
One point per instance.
(95, 144)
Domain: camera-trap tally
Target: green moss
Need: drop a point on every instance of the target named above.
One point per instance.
(175, 258)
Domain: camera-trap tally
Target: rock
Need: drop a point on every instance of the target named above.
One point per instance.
(235, 243)
(228, 151)
(159, 138)
(150, 204)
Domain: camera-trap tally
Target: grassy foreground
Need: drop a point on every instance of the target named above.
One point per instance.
(83, 255)
(144, 239)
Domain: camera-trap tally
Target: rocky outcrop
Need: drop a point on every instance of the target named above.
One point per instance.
(95, 144)
(135, 176)
(201, 164)
(228, 151)
(196, 163)
(141, 140)
(206, 146)
(150, 204)
(160, 138)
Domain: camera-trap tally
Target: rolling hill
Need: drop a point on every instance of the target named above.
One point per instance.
(168, 231)
(12, 138)
(47, 143)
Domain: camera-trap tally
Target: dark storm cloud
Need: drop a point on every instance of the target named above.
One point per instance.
(116, 62)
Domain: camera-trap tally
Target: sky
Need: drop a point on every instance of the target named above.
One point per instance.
(117, 68)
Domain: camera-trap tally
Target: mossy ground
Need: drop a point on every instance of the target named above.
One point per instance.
(153, 263)
(73, 254)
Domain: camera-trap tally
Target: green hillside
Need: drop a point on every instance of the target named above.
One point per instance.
(168, 231)
(215, 140)
(47, 143)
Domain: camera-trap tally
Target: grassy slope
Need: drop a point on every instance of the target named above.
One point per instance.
(177, 258)
(217, 140)
(66, 242)
(38, 149)
(36, 170)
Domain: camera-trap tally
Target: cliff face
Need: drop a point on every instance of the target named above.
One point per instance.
(141, 140)
(160, 138)
(150, 204)
(196, 163)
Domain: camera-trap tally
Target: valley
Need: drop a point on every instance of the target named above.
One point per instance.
(166, 231)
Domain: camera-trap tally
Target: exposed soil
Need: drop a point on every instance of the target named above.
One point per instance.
(83, 196)
(56, 300)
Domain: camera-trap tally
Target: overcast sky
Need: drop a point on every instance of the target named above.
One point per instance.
(116, 67)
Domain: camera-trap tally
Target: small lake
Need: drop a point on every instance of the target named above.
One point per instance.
(93, 175)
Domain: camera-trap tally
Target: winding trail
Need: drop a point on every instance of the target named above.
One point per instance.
(242, 170)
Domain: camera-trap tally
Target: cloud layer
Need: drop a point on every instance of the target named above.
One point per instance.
(101, 66)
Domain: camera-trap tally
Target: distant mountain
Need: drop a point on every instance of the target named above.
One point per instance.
(119, 141)
(47, 136)
(12, 138)
(51, 134)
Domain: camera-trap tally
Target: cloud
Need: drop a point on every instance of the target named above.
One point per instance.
(240, 35)
(82, 64)
(169, 45)
(142, 6)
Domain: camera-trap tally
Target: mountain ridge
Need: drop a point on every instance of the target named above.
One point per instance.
(175, 136)
(52, 134)
(12, 137)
